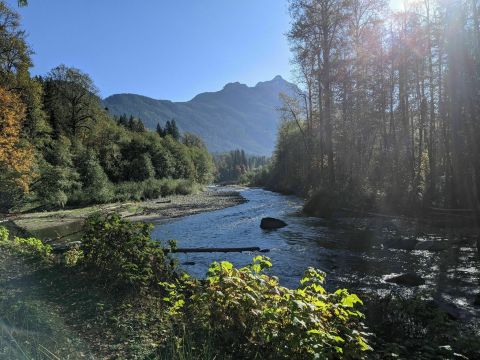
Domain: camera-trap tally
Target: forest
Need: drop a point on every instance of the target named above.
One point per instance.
(59, 146)
(389, 115)
(236, 166)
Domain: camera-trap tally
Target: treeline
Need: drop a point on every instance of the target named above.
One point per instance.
(58, 146)
(390, 113)
(233, 165)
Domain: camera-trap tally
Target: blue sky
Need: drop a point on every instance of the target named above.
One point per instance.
(165, 49)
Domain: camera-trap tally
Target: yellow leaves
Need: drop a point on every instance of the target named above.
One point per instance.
(15, 157)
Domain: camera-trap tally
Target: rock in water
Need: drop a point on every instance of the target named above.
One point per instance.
(407, 279)
(269, 223)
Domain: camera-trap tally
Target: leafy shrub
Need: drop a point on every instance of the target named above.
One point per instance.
(185, 187)
(153, 189)
(3, 234)
(127, 191)
(73, 256)
(168, 187)
(246, 314)
(123, 252)
(31, 247)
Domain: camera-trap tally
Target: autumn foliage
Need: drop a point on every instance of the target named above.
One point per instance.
(16, 158)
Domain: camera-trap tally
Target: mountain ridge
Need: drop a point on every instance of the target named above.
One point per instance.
(237, 116)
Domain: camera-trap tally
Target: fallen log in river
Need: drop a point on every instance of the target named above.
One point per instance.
(62, 248)
(211, 250)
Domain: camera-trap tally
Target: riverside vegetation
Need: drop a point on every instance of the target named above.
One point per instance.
(387, 114)
(145, 306)
(121, 295)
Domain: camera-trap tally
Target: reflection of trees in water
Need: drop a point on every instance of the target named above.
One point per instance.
(452, 278)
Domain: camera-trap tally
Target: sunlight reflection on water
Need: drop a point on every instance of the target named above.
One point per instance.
(355, 253)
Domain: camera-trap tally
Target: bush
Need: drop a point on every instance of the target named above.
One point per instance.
(244, 313)
(123, 252)
(30, 247)
(153, 189)
(3, 234)
(128, 191)
(73, 256)
(185, 187)
(168, 187)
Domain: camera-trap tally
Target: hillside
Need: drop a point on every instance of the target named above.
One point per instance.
(238, 116)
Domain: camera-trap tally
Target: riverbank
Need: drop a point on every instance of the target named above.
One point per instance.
(49, 311)
(72, 313)
(62, 223)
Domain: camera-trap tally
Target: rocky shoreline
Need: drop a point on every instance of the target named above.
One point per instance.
(49, 225)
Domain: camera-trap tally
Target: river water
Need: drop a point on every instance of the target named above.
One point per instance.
(357, 253)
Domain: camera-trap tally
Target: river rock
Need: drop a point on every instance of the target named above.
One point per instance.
(269, 223)
(407, 279)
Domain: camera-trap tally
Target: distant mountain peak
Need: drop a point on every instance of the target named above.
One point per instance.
(234, 85)
(236, 117)
(277, 80)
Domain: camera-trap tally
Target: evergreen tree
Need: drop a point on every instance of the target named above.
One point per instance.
(96, 187)
(59, 179)
(172, 129)
(141, 168)
(123, 121)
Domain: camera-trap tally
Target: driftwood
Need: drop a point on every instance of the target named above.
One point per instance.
(62, 248)
(211, 250)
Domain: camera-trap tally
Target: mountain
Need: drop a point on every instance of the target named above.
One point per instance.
(238, 116)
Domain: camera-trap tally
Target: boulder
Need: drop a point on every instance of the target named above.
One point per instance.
(269, 223)
(407, 279)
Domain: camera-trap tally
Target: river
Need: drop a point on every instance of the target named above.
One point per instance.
(357, 253)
